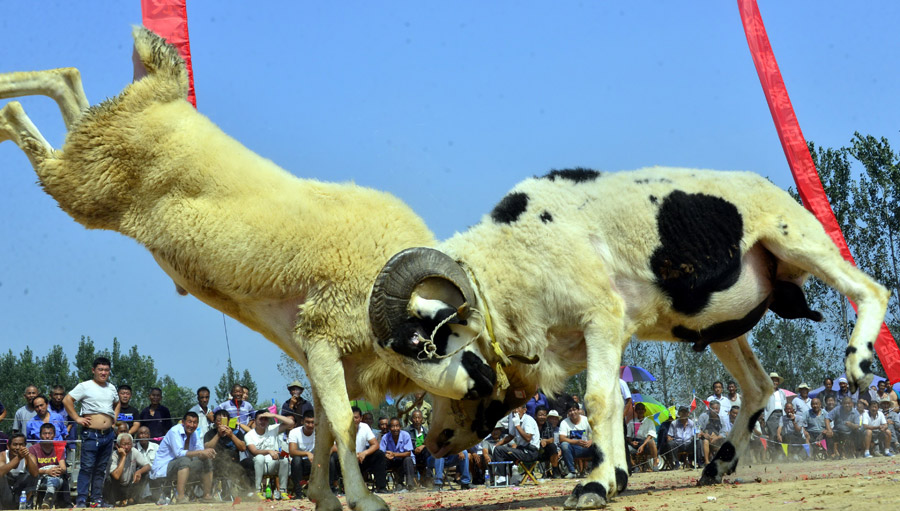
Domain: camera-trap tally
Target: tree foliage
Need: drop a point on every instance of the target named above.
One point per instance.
(132, 368)
(232, 376)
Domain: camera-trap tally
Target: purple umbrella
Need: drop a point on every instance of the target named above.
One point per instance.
(635, 373)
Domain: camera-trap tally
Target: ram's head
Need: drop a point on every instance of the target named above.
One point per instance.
(424, 313)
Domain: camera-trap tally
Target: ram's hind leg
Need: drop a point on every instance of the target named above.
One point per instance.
(741, 362)
(16, 126)
(63, 85)
(801, 245)
(605, 339)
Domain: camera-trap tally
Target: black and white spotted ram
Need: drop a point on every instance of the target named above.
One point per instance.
(567, 267)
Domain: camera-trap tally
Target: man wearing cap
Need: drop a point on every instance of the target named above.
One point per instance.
(893, 420)
(884, 391)
(296, 406)
(548, 451)
(844, 391)
(802, 402)
(775, 406)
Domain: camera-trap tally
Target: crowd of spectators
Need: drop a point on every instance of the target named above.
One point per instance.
(92, 438)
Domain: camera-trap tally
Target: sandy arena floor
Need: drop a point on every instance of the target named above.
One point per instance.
(869, 484)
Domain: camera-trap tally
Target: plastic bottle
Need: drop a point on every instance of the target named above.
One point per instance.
(23, 501)
(268, 492)
(487, 479)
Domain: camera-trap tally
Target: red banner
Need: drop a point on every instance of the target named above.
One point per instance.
(795, 149)
(168, 18)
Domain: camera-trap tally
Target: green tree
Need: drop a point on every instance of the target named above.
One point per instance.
(790, 348)
(229, 378)
(290, 370)
(177, 399)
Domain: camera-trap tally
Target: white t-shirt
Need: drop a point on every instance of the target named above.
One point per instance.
(573, 431)
(879, 419)
(304, 443)
(134, 460)
(269, 440)
(623, 387)
(149, 452)
(529, 425)
(94, 398)
(363, 435)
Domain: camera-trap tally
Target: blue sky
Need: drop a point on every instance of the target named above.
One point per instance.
(447, 105)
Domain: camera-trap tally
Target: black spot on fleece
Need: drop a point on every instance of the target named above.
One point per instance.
(700, 251)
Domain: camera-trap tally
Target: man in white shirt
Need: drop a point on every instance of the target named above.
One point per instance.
(875, 425)
(99, 409)
(264, 446)
(204, 413)
(370, 457)
(144, 445)
(802, 402)
(523, 438)
(775, 406)
(719, 397)
(575, 438)
(127, 469)
(301, 447)
(181, 452)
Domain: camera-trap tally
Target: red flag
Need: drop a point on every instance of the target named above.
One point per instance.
(168, 18)
(59, 449)
(694, 404)
(763, 440)
(804, 171)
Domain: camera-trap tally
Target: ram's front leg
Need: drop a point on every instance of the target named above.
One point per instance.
(742, 363)
(319, 484)
(326, 370)
(605, 341)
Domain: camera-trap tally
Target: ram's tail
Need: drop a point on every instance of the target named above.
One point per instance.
(160, 60)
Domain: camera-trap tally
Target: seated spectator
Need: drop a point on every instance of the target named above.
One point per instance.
(662, 435)
(18, 470)
(51, 462)
(845, 422)
(417, 432)
(790, 431)
(156, 416)
(893, 420)
(816, 425)
(370, 458)
(57, 393)
(398, 453)
(802, 402)
(460, 461)
(827, 391)
(144, 445)
(535, 402)
(875, 428)
(369, 419)
(415, 403)
(548, 451)
(301, 447)
(862, 406)
(228, 444)
(43, 415)
(522, 441)
(204, 413)
(830, 403)
(641, 436)
(574, 437)
(712, 434)
(714, 409)
(477, 465)
(26, 412)
(384, 428)
(128, 413)
(296, 407)
(237, 407)
(885, 391)
(181, 456)
(844, 391)
(681, 436)
(121, 427)
(127, 471)
(264, 447)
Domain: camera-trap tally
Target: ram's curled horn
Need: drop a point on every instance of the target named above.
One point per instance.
(417, 272)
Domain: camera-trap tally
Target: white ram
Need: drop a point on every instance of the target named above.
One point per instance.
(292, 259)
(569, 266)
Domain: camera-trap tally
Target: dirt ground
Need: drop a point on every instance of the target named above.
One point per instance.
(872, 483)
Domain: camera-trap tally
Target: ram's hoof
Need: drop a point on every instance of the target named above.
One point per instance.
(589, 496)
